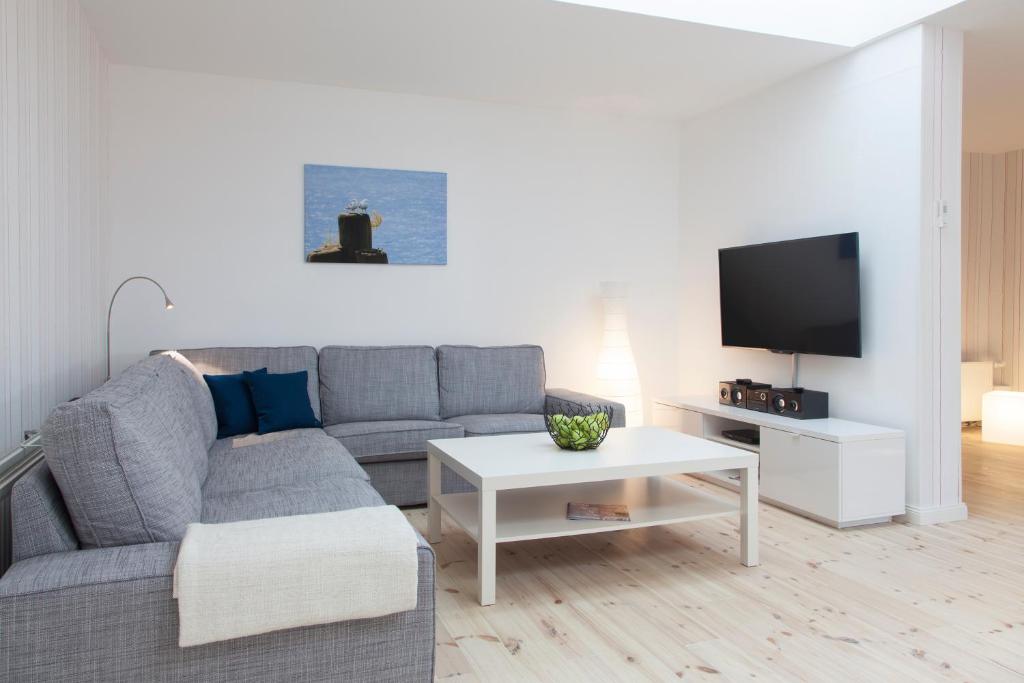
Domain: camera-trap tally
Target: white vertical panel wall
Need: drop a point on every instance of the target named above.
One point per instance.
(992, 256)
(53, 107)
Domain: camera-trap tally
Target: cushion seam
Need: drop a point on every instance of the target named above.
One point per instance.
(393, 431)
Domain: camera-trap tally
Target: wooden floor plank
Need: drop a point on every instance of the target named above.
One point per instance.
(887, 602)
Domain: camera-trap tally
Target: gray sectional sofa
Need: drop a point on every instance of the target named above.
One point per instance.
(383, 403)
(96, 526)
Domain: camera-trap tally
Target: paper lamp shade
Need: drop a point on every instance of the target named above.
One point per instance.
(616, 369)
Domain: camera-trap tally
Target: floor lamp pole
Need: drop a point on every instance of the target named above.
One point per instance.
(168, 304)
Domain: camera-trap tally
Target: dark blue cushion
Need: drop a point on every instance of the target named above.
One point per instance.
(281, 401)
(232, 403)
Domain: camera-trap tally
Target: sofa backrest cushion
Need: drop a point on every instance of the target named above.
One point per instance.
(365, 383)
(130, 458)
(40, 524)
(485, 380)
(227, 360)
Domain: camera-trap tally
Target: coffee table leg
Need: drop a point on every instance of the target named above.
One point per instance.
(433, 491)
(748, 517)
(485, 551)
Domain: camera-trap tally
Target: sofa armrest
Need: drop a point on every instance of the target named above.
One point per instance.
(89, 569)
(575, 398)
(108, 614)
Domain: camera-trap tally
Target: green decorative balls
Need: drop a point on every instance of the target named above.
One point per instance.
(578, 432)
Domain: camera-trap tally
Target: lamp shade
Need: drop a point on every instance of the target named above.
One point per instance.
(616, 368)
(1002, 417)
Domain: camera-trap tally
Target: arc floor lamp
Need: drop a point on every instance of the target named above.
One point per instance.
(168, 305)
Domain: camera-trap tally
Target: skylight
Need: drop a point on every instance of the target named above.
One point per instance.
(839, 22)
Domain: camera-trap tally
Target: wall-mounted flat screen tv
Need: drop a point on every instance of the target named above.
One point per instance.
(797, 296)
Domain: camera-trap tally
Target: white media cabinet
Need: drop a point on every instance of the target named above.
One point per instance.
(835, 471)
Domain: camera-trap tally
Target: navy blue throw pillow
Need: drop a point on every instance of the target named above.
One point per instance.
(232, 403)
(281, 401)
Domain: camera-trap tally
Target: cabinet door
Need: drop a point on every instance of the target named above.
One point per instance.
(874, 479)
(801, 472)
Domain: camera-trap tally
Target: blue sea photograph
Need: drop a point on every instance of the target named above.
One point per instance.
(374, 215)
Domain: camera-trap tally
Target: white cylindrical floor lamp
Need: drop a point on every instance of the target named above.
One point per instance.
(616, 368)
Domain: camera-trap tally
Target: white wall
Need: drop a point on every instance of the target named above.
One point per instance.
(542, 206)
(837, 149)
(53, 146)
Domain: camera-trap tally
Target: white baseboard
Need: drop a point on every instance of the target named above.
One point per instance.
(936, 514)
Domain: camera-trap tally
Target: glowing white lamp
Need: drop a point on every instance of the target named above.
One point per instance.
(1002, 417)
(616, 369)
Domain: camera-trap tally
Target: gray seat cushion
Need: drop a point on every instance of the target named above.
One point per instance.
(388, 440)
(295, 458)
(363, 383)
(328, 495)
(476, 380)
(503, 423)
(130, 457)
(228, 360)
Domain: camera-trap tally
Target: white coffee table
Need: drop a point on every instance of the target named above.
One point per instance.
(524, 483)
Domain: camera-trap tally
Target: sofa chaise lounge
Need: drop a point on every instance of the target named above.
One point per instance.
(96, 525)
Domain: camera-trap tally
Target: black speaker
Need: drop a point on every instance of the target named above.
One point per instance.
(757, 397)
(734, 392)
(803, 404)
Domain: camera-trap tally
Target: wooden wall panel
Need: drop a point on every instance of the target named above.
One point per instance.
(993, 250)
(53, 187)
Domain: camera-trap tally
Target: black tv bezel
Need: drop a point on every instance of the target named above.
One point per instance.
(860, 316)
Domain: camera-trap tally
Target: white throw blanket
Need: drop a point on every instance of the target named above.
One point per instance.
(244, 578)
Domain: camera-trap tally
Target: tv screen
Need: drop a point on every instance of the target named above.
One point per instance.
(800, 296)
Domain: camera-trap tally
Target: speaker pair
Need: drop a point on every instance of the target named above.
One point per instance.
(741, 392)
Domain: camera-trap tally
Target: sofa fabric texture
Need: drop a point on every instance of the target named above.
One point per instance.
(404, 482)
(108, 615)
(276, 359)
(574, 400)
(475, 380)
(384, 440)
(501, 423)
(130, 457)
(367, 383)
(296, 458)
(39, 522)
(282, 474)
(329, 495)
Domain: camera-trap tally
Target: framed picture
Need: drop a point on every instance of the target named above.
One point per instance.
(374, 215)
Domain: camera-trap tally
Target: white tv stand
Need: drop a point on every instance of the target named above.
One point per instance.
(838, 472)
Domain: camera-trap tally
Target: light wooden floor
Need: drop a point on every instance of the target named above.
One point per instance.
(885, 603)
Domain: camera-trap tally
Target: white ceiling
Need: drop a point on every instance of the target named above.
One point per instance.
(839, 22)
(993, 72)
(531, 52)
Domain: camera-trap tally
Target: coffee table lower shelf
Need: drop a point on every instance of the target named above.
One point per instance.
(539, 512)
